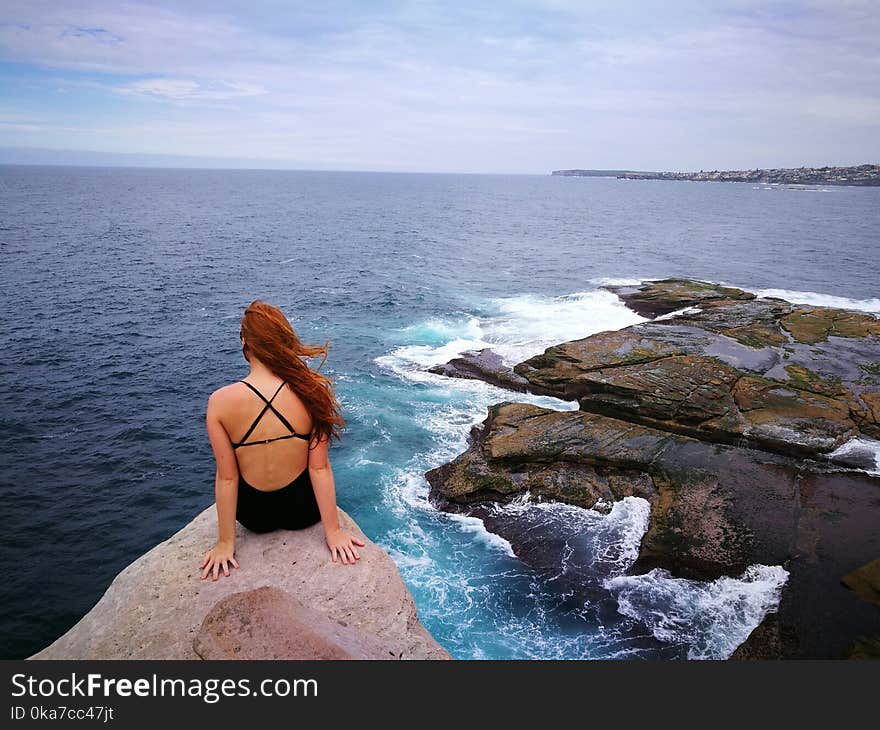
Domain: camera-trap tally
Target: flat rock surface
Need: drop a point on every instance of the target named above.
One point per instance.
(731, 370)
(155, 608)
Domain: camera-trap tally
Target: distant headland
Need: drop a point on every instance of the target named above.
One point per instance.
(852, 175)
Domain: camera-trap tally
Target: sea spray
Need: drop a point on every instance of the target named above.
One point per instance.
(822, 300)
(712, 618)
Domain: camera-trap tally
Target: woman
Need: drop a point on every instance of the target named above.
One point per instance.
(270, 434)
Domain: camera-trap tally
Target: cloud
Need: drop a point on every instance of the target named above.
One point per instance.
(118, 38)
(182, 90)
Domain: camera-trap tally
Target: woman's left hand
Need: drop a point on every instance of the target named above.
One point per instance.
(342, 544)
(222, 554)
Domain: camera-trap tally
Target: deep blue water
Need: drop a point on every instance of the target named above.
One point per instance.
(122, 291)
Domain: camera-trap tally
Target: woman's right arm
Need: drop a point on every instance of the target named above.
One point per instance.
(226, 494)
(340, 543)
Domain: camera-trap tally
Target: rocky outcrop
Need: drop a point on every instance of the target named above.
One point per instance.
(652, 299)
(735, 370)
(486, 365)
(715, 510)
(288, 600)
(723, 417)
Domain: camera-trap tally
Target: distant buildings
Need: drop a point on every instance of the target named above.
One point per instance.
(858, 175)
(854, 175)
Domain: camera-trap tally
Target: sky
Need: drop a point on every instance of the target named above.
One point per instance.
(479, 86)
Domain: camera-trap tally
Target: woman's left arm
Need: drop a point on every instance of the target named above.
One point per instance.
(226, 494)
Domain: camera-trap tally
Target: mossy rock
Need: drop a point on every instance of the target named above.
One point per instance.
(805, 379)
(865, 582)
(865, 648)
(782, 417)
(758, 335)
(814, 324)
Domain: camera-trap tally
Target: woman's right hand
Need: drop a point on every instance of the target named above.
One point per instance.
(220, 555)
(343, 545)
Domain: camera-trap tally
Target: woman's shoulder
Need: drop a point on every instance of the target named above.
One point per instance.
(226, 393)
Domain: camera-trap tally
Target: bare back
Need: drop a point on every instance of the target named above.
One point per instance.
(270, 430)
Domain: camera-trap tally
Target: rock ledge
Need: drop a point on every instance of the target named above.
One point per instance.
(157, 607)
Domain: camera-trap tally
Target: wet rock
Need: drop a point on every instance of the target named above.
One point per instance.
(865, 648)
(709, 374)
(560, 455)
(869, 417)
(734, 369)
(715, 510)
(789, 419)
(815, 324)
(654, 298)
(865, 581)
(486, 365)
(836, 533)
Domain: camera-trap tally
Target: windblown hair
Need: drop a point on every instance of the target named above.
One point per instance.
(270, 338)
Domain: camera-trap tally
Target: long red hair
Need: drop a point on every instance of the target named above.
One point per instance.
(269, 337)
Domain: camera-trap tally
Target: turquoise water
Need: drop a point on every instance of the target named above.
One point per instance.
(122, 295)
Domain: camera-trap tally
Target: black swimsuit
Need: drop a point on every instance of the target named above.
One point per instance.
(291, 507)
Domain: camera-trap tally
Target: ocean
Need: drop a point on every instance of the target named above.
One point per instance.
(122, 295)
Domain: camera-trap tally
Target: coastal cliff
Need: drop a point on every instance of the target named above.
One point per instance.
(286, 601)
(748, 424)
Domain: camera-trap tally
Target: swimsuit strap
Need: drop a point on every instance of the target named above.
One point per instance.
(262, 413)
(304, 437)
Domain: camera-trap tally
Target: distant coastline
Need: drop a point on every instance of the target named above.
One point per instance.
(866, 175)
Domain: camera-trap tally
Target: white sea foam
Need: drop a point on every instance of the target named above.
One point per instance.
(406, 561)
(822, 300)
(427, 355)
(614, 535)
(526, 325)
(611, 281)
(443, 329)
(516, 328)
(861, 446)
(711, 618)
(673, 315)
(475, 527)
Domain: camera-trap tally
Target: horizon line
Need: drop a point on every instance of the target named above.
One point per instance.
(98, 166)
(166, 161)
